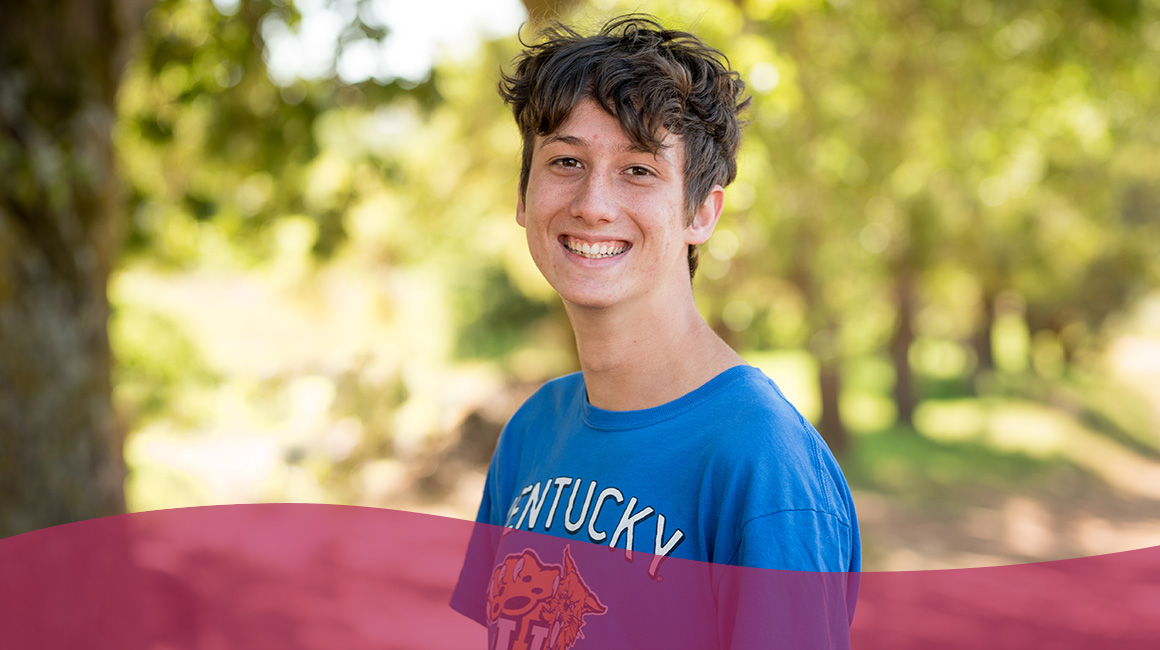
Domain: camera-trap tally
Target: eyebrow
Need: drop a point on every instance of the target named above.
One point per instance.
(566, 139)
(576, 141)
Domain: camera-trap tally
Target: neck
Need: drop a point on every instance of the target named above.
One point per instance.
(636, 360)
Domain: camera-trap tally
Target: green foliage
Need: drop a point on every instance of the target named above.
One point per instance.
(496, 315)
(159, 372)
(206, 135)
(991, 146)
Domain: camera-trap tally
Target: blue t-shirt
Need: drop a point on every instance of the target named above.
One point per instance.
(730, 473)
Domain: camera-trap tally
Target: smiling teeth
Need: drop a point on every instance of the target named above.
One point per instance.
(595, 251)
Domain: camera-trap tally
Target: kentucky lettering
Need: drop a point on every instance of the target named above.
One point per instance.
(577, 507)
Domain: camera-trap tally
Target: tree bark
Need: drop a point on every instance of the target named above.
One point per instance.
(900, 343)
(826, 349)
(60, 446)
(981, 341)
(833, 429)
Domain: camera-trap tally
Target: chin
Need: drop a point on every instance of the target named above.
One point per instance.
(586, 300)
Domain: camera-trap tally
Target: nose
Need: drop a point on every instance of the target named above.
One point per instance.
(594, 201)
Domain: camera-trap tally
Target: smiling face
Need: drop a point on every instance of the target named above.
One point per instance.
(606, 220)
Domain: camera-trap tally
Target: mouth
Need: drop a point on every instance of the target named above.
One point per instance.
(594, 250)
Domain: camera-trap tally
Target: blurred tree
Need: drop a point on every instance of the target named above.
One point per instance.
(933, 157)
(207, 137)
(60, 444)
(216, 155)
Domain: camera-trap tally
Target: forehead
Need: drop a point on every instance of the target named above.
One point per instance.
(590, 124)
(592, 117)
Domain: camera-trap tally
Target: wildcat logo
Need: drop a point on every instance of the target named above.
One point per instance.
(536, 606)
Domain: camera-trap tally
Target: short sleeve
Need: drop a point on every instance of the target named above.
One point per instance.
(798, 540)
(794, 583)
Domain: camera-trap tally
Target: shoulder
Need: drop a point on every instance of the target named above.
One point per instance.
(750, 414)
(783, 491)
(763, 446)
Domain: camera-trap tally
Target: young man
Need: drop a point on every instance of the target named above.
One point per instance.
(666, 443)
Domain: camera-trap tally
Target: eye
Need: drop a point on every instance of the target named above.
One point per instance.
(566, 162)
(637, 170)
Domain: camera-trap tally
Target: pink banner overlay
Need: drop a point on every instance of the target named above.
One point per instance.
(292, 576)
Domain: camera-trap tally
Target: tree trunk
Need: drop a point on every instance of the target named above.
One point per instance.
(826, 349)
(830, 388)
(900, 343)
(60, 446)
(981, 341)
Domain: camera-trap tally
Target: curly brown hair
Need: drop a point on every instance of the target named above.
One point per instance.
(651, 79)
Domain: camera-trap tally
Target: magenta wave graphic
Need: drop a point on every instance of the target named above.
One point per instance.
(298, 576)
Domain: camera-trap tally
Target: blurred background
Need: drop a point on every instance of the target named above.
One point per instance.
(265, 250)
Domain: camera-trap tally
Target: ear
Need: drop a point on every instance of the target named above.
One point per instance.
(569, 563)
(520, 216)
(706, 217)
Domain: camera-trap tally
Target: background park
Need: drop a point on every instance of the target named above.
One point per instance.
(264, 251)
